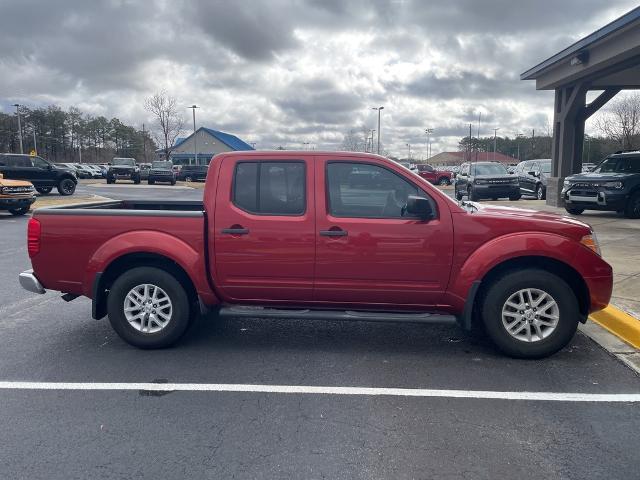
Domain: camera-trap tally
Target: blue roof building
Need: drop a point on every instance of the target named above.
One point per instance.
(208, 142)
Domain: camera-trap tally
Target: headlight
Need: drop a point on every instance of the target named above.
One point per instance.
(1, 190)
(480, 182)
(614, 185)
(591, 242)
(514, 180)
(566, 183)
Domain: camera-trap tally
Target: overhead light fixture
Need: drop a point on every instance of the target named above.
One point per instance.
(580, 58)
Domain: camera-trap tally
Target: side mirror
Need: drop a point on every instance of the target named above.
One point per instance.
(534, 173)
(419, 207)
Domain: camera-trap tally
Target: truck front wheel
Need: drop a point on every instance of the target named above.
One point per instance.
(530, 313)
(444, 181)
(148, 308)
(632, 208)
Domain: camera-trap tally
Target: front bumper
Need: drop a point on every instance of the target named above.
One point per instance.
(29, 282)
(493, 191)
(8, 203)
(595, 199)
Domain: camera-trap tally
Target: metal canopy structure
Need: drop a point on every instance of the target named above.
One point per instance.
(608, 60)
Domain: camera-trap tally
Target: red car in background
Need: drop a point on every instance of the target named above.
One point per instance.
(437, 177)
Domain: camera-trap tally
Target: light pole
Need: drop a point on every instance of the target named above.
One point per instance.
(19, 126)
(371, 132)
(378, 109)
(409, 147)
(428, 131)
(195, 137)
(495, 142)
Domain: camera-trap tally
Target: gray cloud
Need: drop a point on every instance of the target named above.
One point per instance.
(287, 71)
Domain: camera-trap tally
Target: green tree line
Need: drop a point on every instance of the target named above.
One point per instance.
(595, 148)
(65, 136)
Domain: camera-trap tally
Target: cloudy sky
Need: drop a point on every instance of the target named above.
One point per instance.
(286, 72)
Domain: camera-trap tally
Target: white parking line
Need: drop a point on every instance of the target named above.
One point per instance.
(317, 390)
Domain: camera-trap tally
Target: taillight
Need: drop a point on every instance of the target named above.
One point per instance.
(33, 237)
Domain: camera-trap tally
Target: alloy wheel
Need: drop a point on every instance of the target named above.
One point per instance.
(148, 308)
(530, 315)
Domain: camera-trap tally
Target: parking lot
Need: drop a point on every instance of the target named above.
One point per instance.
(454, 429)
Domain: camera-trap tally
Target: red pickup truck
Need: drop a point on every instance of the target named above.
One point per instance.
(435, 176)
(322, 235)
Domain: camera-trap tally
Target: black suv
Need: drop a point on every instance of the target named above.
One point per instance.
(614, 185)
(193, 173)
(43, 174)
(123, 169)
(162, 172)
(486, 180)
(533, 176)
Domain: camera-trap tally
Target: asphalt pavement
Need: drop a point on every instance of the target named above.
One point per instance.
(81, 433)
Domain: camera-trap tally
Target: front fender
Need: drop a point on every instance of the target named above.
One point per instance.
(149, 241)
(507, 247)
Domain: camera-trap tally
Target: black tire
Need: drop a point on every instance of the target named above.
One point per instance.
(504, 287)
(151, 182)
(136, 180)
(188, 179)
(515, 198)
(494, 199)
(541, 192)
(574, 210)
(20, 211)
(472, 195)
(66, 186)
(632, 208)
(443, 181)
(173, 182)
(109, 180)
(44, 190)
(180, 315)
(459, 195)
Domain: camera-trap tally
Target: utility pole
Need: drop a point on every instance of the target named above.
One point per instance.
(428, 131)
(35, 144)
(370, 146)
(144, 144)
(195, 137)
(469, 159)
(495, 142)
(409, 146)
(378, 109)
(19, 126)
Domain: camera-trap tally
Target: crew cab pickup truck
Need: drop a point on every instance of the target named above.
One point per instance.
(286, 234)
(435, 176)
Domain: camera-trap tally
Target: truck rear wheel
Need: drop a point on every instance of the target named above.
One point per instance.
(148, 308)
(444, 181)
(530, 313)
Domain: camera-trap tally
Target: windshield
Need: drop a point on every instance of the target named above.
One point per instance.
(161, 165)
(619, 165)
(129, 162)
(488, 169)
(545, 167)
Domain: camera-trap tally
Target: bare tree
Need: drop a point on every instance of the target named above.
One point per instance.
(168, 122)
(622, 121)
(351, 142)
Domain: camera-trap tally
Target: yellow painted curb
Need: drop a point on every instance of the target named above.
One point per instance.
(620, 324)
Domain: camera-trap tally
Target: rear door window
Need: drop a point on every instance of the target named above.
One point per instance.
(270, 188)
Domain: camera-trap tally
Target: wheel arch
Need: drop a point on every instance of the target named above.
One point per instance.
(563, 270)
(103, 280)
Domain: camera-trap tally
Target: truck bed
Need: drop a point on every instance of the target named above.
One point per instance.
(165, 208)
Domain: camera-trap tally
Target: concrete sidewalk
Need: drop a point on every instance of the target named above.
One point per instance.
(618, 238)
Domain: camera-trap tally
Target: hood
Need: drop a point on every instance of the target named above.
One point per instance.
(506, 176)
(524, 219)
(597, 176)
(5, 182)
